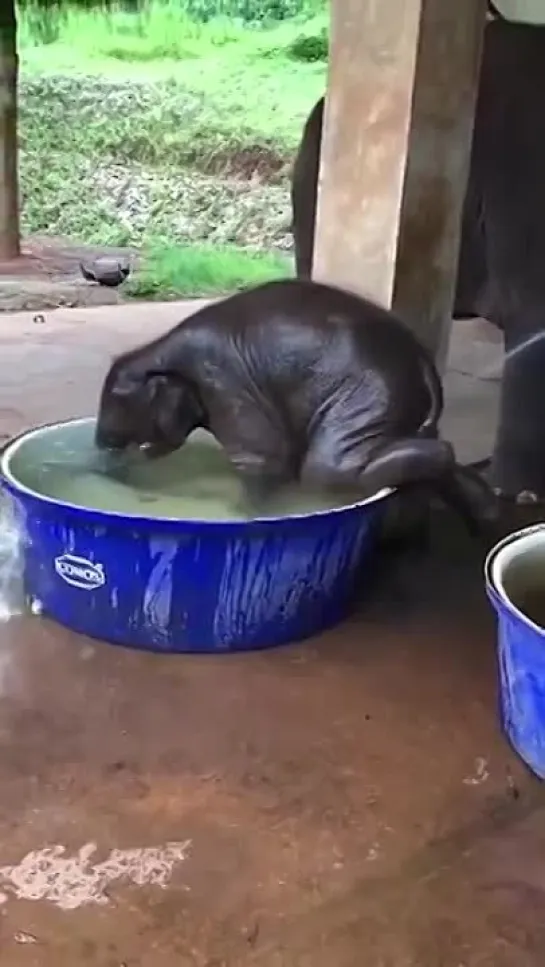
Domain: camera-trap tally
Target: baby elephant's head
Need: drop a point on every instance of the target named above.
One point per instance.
(154, 409)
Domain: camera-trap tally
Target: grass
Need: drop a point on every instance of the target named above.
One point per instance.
(185, 271)
(159, 130)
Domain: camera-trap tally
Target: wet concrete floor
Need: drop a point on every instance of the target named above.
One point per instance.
(348, 802)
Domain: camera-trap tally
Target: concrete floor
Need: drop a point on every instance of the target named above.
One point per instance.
(350, 802)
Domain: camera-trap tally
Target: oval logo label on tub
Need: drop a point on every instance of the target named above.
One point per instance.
(79, 572)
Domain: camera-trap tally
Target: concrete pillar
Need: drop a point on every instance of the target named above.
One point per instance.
(403, 79)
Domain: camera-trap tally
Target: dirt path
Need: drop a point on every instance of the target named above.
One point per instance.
(48, 276)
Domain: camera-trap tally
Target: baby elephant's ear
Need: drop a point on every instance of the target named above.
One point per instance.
(156, 387)
(169, 398)
(172, 406)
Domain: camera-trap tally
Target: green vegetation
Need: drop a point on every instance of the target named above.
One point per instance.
(171, 126)
(184, 271)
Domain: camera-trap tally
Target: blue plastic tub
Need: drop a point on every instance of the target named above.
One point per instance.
(516, 563)
(184, 586)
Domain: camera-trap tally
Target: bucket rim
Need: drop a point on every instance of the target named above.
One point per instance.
(18, 488)
(493, 580)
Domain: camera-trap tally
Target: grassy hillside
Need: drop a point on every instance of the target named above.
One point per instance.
(171, 129)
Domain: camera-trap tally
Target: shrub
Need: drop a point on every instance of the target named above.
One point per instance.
(309, 47)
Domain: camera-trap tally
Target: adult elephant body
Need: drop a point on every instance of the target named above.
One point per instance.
(501, 273)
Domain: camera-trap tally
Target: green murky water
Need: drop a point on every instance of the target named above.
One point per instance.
(197, 482)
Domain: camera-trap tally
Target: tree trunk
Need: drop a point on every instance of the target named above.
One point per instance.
(9, 193)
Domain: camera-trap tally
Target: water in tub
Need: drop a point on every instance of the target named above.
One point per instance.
(532, 603)
(195, 482)
(524, 583)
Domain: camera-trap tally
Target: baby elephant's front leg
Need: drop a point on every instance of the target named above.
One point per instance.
(261, 477)
(261, 487)
(261, 455)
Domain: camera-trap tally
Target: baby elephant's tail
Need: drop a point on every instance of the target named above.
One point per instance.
(432, 462)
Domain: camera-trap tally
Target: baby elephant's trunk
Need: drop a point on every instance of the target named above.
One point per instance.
(432, 463)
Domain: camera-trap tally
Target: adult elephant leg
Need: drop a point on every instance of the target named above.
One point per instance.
(304, 191)
(471, 278)
(509, 154)
(518, 461)
(303, 238)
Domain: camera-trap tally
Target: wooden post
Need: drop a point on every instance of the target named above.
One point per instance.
(9, 195)
(403, 79)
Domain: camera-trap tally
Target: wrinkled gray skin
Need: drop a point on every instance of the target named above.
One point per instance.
(297, 381)
(501, 273)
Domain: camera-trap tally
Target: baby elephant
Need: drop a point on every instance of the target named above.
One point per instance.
(297, 381)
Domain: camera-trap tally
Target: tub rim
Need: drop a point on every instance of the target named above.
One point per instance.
(496, 560)
(110, 517)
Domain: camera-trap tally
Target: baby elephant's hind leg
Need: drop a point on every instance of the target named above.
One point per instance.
(470, 495)
(431, 462)
(410, 461)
